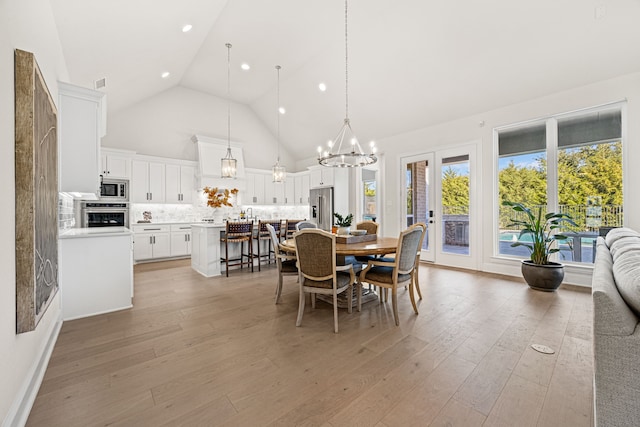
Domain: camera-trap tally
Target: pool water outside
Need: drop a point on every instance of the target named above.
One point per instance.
(566, 254)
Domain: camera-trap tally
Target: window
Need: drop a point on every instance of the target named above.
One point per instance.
(584, 179)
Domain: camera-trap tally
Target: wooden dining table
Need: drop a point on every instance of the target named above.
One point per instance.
(380, 246)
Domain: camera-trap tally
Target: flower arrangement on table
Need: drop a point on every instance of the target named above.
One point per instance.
(218, 198)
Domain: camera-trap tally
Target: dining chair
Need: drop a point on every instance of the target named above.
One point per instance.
(416, 280)
(305, 224)
(290, 227)
(370, 226)
(262, 235)
(286, 262)
(399, 271)
(319, 274)
(238, 232)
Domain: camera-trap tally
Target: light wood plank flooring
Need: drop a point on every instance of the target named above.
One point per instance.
(197, 351)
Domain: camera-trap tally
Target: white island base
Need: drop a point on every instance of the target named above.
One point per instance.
(205, 248)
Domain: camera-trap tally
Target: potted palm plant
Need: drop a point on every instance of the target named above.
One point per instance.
(343, 223)
(540, 273)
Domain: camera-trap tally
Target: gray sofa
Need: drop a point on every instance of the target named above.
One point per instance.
(616, 329)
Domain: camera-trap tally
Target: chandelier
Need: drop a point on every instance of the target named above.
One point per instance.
(279, 172)
(344, 151)
(228, 163)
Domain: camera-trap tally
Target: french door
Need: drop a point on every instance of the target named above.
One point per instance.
(439, 191)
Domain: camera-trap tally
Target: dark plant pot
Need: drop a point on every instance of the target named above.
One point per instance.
(547, 277)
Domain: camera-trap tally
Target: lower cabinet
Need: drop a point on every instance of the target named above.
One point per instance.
(151, 241)
(161, 241)
(180, 240)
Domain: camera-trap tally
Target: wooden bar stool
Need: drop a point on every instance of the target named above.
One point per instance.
(238, 232)
(262, 235)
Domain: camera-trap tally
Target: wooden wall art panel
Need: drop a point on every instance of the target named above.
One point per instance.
(36, 175)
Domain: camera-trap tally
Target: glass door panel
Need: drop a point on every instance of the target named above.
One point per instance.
(419, 196)
(454, 199)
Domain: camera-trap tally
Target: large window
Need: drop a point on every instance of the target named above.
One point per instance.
(567, 163)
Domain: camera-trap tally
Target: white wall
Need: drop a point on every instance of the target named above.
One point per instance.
(468, 129)
(26, 25)
(164, 124)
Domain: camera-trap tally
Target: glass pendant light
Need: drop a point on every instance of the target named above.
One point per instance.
(229, 165)
(279, 172)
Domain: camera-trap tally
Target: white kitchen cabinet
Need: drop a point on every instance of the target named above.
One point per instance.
(115, 165)
(321, 176)
(81, 123)
(180, 240)
(289, 191)
(273, 192)
(255, 192)
(179, 183)
(147, 182)
(151, 241)
(302, 189)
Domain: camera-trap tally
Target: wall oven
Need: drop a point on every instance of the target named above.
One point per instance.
(104, 214)
(116, 190)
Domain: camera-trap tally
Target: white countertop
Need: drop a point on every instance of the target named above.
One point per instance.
(208, 225)
(94, 232)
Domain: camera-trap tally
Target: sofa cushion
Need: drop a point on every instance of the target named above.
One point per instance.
(626, 272)
(619, 233)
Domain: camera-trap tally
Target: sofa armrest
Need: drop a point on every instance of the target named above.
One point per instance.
(611, 315)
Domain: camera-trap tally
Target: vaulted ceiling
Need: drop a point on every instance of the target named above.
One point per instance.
(412, 63)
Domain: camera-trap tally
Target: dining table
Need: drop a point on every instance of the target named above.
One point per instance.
(378, 247)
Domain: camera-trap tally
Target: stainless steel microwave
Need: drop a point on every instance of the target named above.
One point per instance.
(114, 190)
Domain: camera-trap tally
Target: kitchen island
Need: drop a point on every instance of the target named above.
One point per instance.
(95, 271)
(205, 248)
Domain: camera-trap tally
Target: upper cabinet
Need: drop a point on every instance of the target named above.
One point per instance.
(179, 183)
(321, 176)
(301, 188)
(115, 164)
(81, 124)
(255, 188)
(147, 182)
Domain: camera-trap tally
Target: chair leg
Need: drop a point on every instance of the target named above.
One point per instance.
(413, 298)
(250, 243)
(394, 300)
(279, 288)
(300, 307)
(226, 257)
(335, 312)
(258, 254)
(416, 274)
(350, 293)
(359, 290)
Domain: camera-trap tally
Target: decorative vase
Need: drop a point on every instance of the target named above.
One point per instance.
(344, 230)
(218, 215)
(543, 277)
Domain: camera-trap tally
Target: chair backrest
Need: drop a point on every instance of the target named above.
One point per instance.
(274, 240)
(305, 224)
(370, 226)
(239, 229)
(262, 225)
(408, 244)
(316, 251)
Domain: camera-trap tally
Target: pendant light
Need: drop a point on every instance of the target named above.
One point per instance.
(279, 172)
(351, 155)
(228, 163)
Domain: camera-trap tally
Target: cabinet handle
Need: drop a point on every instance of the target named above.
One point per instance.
(150, 240)
(151, 229)
(255, 199)
(185, 237)
(275, 200)
(150, 196)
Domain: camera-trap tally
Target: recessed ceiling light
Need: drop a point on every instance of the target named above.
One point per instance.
(245, 66)
(322, 87)
(165, 74)
(187, 28)
(282, 110)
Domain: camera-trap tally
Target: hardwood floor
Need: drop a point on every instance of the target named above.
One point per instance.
(197, 351)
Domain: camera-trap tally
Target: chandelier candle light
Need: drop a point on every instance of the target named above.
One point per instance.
(352, 155)
(279, 172)
(229, 164)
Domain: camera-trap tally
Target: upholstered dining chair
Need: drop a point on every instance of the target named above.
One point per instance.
(238, 232)
(305, 224)
(370, 226)
(399, 271)
(286, 262)
(262, 235)
(290, 227)
(319, 274)
(416, 280)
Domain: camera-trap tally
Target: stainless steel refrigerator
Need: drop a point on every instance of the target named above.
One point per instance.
(321, 207)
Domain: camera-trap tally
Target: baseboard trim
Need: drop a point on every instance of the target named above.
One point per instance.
(19, 411)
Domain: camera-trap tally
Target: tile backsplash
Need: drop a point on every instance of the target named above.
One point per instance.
(66, 219)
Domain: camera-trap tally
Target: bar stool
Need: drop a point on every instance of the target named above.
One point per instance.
(238, 232)
(263, 235)
(290, 227)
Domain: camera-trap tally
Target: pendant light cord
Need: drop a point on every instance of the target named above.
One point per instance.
(228, 96)
(346, 62)
(278, 112)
